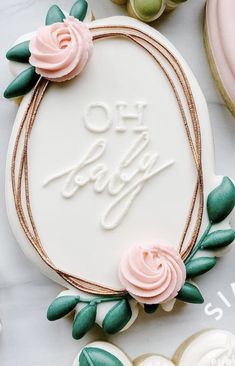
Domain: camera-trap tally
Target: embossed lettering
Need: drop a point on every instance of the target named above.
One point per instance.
(125, 182)
(90, 120)
(124, 116)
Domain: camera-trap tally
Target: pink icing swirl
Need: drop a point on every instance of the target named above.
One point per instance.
(153, 274)
(61, 51)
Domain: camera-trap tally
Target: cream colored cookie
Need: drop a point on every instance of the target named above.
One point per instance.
(152, 360)
(211, 347)
(218, 32)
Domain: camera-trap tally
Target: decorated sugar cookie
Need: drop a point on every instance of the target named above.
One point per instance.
(148, 10)
(212, 347)
(102, 353)
(219, 36)
(110, 185)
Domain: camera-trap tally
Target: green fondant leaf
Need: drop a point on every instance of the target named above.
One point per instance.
(22, 84)
(150, 309)
(79, 9)
(190, 293)
(84, 321)
(218, 239)
(221, 201)
(199, 266)
(19, 53)
(54, 15)
(92, 356)
(61, 306)
(117, 318)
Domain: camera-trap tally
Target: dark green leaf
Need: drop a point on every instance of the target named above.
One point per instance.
(22, 84)
(199, 266)
(190, 293)
(178, 1)
(84, 321)
(150, 309)
(19, 53)
(221, 201)
(79, 9)
(92, 356)
(54, 15)
(218, 239)
(117, 318)
(61, 306)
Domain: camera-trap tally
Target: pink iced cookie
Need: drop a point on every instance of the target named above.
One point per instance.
(219, 37)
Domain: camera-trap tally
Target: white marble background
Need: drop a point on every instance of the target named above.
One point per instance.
(28, 339)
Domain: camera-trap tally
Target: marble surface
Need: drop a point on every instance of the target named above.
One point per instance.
(28, 338)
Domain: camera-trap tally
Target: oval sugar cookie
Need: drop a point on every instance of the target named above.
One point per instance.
(110, 182)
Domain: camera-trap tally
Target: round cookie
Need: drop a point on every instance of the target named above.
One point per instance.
(219, 33)
(94, 152)
(211, 347)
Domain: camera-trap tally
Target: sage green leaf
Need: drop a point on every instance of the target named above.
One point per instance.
(190, 293)
(84, 321)
(22, 84)
(117, 318)
(19, 52)
(61, 306)
(147, 9)
(218, 239)
(199, 266)
(92, 356)
(54, 15)
(221, 201)
(79, 9)
(150, 309)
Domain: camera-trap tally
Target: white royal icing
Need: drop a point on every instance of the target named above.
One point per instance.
(121, 183)
(109, 162)
(211, 348)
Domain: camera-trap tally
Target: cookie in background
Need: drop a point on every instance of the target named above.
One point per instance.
(219, 34)
(148, 10)
(211, 347)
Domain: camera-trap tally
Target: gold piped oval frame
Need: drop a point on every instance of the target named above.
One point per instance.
(19, 163)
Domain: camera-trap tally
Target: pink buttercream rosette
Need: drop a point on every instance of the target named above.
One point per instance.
(60, 51)
(153, 274)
